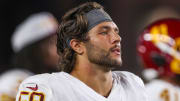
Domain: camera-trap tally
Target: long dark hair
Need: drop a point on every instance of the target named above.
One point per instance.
(73, 26)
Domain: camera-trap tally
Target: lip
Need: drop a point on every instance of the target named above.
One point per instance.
(116, 50)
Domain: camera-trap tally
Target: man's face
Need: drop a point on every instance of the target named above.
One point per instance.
(103, 47)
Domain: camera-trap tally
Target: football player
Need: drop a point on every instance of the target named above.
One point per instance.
(159, 50)
(89, 42)
(34, 43)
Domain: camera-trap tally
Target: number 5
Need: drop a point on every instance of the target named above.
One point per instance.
(34, 96)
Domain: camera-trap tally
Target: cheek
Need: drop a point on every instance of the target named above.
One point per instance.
(100, 41)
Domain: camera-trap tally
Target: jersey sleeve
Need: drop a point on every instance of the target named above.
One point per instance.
(35, 88)
(131, 78)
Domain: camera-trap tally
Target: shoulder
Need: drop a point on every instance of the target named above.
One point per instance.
(132, 85)
(38, 85)
(158, 83)
(40, 78)
(159, 89)
(128, 77)
(159, 86)
(45, 78)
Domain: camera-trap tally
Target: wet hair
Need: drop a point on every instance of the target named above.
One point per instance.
(74, 25)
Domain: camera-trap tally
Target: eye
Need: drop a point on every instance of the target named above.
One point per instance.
(104, 33)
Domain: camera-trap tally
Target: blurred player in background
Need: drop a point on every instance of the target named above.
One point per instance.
(156, 13)
(159, 50)
(89, 42)
(9, 83)
(34, 43)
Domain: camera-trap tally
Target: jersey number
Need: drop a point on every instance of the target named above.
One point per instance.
(166, 96)
(34, 96)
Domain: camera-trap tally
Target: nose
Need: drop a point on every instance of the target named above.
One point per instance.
(115, 38)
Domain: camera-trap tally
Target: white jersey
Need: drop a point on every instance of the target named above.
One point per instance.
(159, 90)
(9, 83)
(64, 87)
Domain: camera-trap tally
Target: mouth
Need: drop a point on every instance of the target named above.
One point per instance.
(116, 50)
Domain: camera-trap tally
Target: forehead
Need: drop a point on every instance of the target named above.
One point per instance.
(107, 24)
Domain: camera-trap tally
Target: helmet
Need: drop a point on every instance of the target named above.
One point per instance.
(158, 46)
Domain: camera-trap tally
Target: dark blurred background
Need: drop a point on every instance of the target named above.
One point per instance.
(130, 16)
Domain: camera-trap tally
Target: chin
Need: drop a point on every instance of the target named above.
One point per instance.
(118, 60)
(117, 63)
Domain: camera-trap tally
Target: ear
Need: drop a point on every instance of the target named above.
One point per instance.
(77, 46)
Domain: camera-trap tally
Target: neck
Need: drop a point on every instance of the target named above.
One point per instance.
(98, 79)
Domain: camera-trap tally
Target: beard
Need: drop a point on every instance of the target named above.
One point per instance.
(101, 57)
